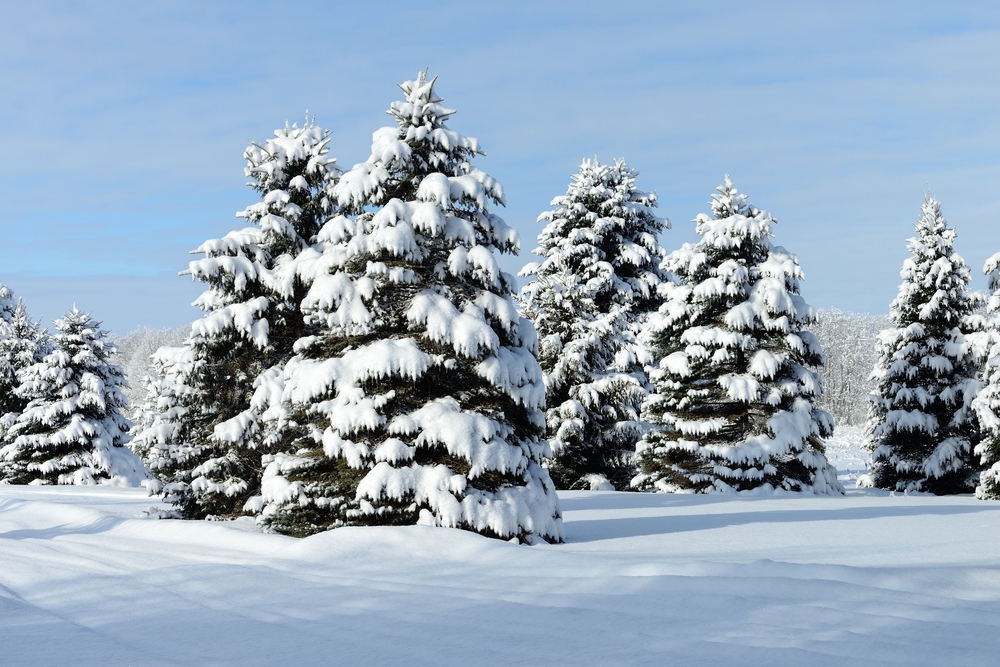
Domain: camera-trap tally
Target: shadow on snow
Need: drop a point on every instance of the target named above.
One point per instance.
(593, 530)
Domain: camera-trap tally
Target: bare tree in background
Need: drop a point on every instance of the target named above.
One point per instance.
(135, 352)
(849, 341)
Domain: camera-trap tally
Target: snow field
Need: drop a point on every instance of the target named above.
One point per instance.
(644, 579)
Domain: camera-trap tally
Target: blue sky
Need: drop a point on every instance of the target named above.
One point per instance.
(124, 124)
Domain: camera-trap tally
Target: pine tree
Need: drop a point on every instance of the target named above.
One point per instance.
(201, 435)
(599, 279)
(8, 303)
(421, 403)
(921, 428)
(23, 342)
(72, 430)
(8, 363)
(734, 406)
(987, 401)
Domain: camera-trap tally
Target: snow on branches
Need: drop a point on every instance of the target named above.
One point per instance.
(200, 433)
(987, 402)
(849, 343)
(420, 400)
(922, 430)
(72, 430)
(598, 280)
(734, 406)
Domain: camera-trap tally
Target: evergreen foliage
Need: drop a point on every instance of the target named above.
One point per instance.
(23, 342)
(200, 434)
(599, 279)
(8, 365)
(421, 401)
(922, 430)
(987, 401)
(734, 406)
(72, 430)
(8, 303)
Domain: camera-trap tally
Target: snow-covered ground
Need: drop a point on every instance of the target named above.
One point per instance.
(869, 579)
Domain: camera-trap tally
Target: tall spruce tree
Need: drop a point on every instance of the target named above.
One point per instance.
(734, 406)
(599, 279)
(987, 401)
(421, 402)
(8, 363)
(921, 428)
(23, 342)
(72, 430)
(202, 436)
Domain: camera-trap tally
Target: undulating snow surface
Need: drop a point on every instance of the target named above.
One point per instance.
(643, 579)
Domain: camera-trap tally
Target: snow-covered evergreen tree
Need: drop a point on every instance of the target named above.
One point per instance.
(599, 279)
(8, 374)
(922, 430)
(72, 430)
(421, 403)
(987, 401)
(8, 303)
(202, 437)
(23, 342)
(734, 406)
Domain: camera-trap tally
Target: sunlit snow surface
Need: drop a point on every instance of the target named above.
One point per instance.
(869, 579)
